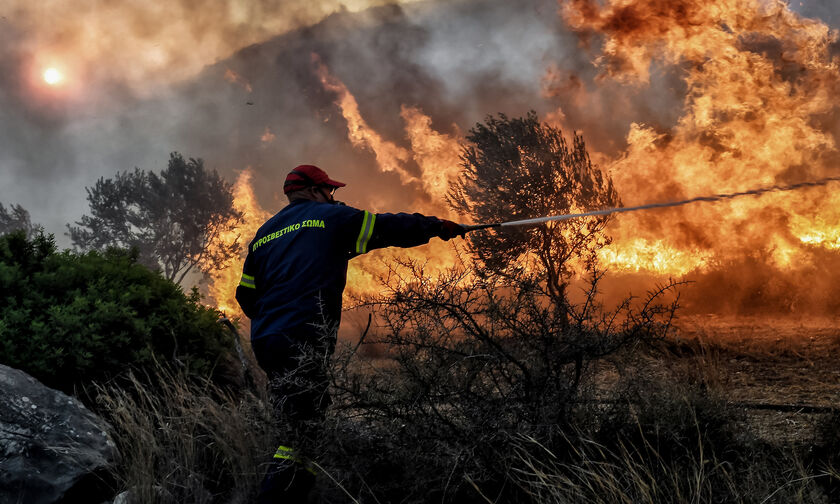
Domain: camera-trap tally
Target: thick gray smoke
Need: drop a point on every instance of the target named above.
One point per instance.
(828, 11)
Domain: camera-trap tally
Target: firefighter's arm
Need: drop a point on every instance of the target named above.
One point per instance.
(401, 230)
(246, 291)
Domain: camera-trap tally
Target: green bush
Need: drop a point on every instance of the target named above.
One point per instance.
(69, 318)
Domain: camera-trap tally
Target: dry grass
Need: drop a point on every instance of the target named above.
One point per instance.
(184, 440)
(640, 471)
(621, 474)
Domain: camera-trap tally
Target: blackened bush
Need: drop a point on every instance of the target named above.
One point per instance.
(69, 318)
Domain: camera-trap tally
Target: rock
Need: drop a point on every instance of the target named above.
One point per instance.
(52, 448)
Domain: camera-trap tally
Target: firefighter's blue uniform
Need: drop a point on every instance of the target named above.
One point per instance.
(291, 289)
(296, 268)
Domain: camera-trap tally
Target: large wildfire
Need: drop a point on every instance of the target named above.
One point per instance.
(759, 109)
(760, 84)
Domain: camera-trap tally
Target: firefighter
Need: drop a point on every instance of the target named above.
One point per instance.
(291, 289)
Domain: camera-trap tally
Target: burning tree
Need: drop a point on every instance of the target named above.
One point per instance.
(521, 168)
(175, 220)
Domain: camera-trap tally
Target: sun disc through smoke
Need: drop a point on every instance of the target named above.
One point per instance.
(53, 77)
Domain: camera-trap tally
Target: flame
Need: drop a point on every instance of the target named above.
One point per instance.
(760, 83)
(438, 157)
(223, 285)
(437, 154)
(817, 231)
(652, 256)
(389, 156)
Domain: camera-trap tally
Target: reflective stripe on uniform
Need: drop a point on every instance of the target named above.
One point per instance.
(365, 233)
(247, 281)
(284, 452)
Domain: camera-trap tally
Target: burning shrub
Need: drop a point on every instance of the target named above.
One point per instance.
(70, 318)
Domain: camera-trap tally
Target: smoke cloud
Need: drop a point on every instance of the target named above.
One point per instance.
(121, 107)
(118, 60)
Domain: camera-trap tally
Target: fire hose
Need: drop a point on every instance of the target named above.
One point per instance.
(666, 204)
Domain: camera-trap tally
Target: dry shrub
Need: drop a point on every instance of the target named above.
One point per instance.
(491, 395)
(487, 399)
(475, 362)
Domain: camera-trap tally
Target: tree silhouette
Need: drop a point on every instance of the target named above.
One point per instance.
(16, 218)
(175, 219)
(518, 169)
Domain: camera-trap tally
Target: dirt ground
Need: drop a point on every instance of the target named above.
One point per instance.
(759, 362)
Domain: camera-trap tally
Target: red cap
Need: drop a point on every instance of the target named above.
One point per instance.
(308, 175)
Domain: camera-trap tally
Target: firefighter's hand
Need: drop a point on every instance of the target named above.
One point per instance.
(449, 229)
